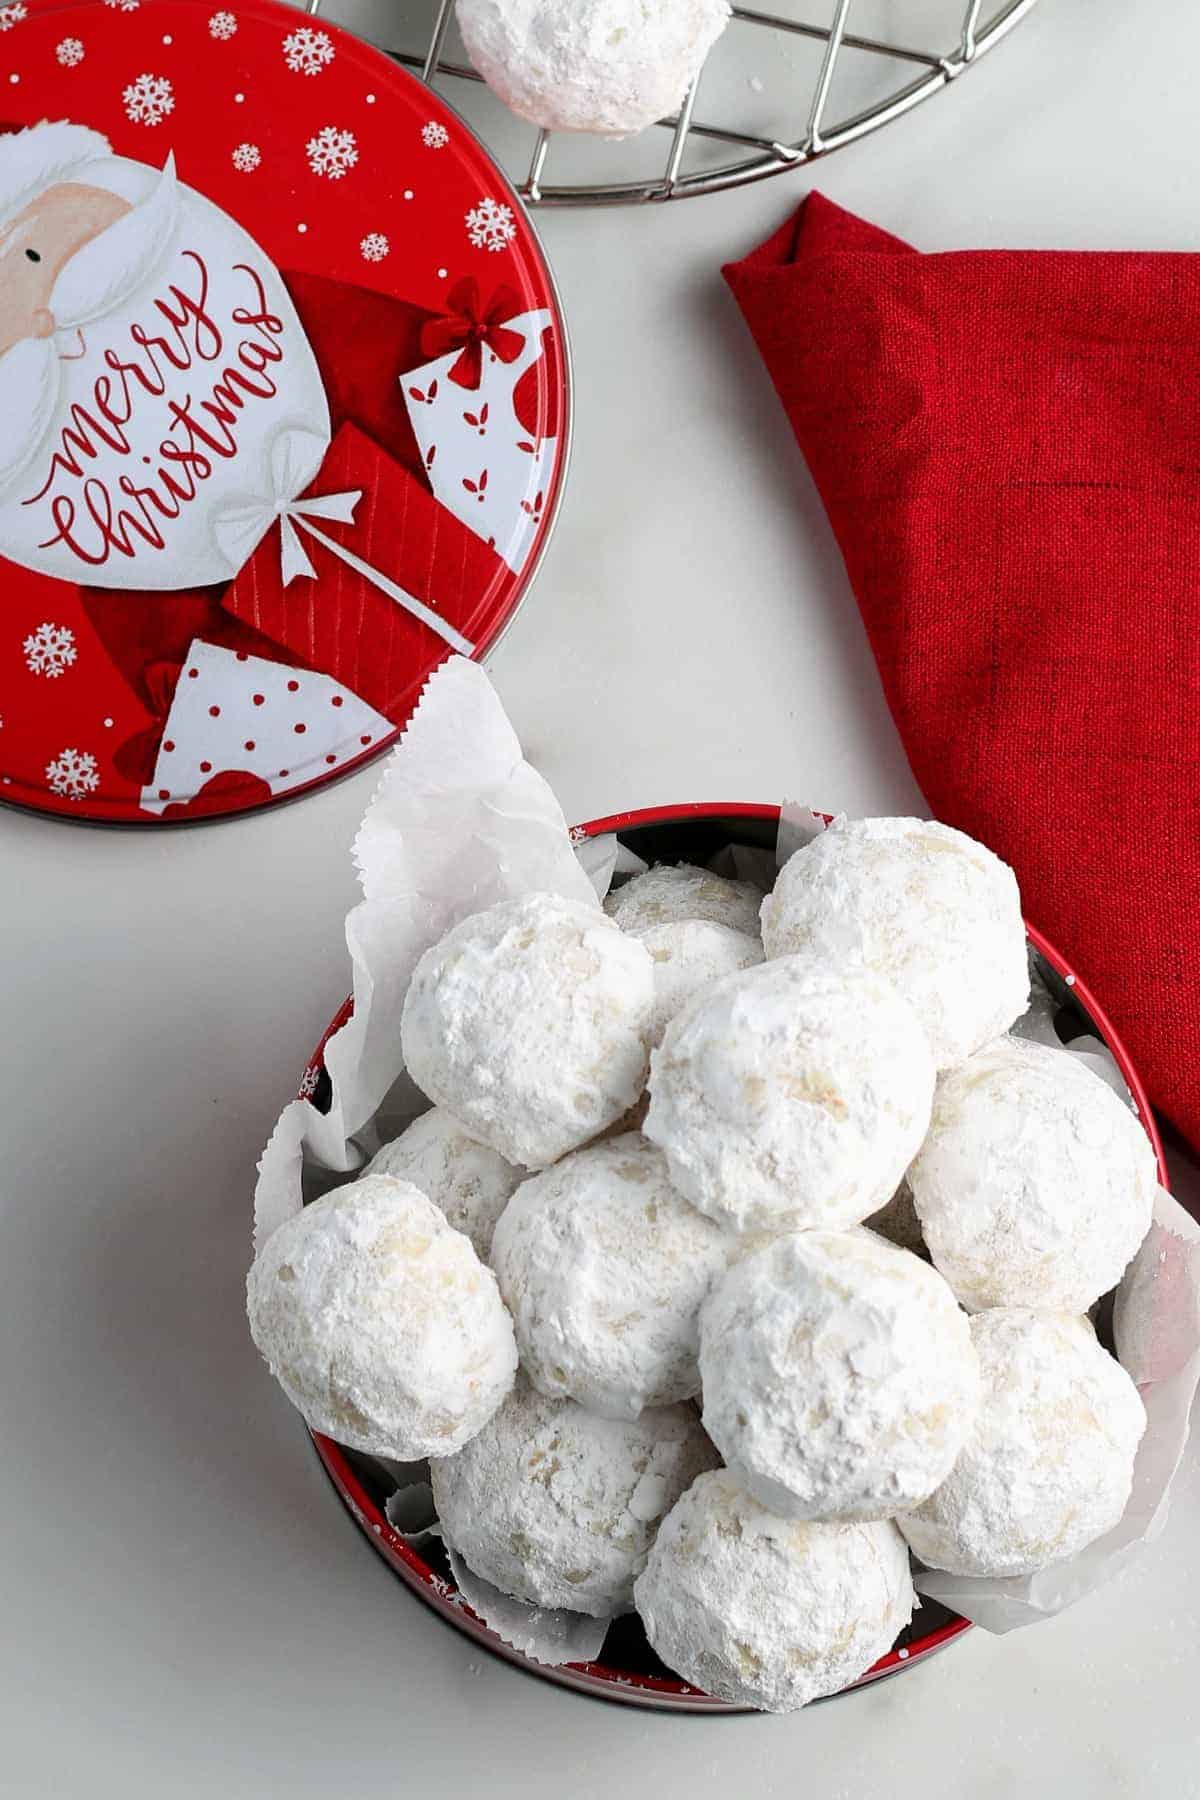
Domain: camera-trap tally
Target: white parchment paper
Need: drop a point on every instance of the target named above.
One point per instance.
(460, 820)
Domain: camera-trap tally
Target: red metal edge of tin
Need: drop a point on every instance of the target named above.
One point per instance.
(601, 1679)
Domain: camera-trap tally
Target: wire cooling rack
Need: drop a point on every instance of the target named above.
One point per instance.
(841, 83)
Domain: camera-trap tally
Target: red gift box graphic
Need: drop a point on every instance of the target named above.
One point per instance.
(352, 625)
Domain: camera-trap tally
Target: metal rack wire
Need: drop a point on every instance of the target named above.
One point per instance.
(979, 30)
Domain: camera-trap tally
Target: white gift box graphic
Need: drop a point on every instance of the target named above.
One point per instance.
(238, 712)
(481, 463)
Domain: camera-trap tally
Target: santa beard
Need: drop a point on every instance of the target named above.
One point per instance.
(93, 283)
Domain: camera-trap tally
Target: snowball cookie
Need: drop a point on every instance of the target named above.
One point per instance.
(1036, 1184)
(558, 1506)
(770, 1612)
(690, 955)
(791, 1095)
(464, 1179)
(607, 66)
(839, 1377)
(528, 1022)
(380, 1323)
(921, 904)
(1049, 1464)
(674, 891)
(603, 1267)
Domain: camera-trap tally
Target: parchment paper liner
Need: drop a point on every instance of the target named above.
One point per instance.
(460, 820)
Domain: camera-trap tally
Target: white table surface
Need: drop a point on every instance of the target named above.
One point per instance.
(187, 1610)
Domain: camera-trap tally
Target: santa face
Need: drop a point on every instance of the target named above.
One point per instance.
(160, 401)
(35, 246)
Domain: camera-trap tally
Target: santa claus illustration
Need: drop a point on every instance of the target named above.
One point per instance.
(72, 247)
(281, 497)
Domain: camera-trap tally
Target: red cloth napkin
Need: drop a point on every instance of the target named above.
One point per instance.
(1007, 444)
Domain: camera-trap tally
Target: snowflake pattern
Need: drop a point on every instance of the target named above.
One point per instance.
(374, 246)
(70, 53)
(332, 152)
(491, 226)
(149, 99)
(246, 157)
(73, 774)
(434, 136)
(308, 1082)
(306, 51)
(124, 5)
(12, 15)
(50, 649)
(222, 26)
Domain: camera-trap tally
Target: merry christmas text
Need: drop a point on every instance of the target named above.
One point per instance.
(235, 368)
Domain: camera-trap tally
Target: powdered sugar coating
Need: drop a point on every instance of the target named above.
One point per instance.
(466, 1180)
(1048, 1466)
(690, 955)
(671, 892)
(791, 1095)
(1036, 1183)
(380, 1323)
(604, 1268)
(528, 1022)
(770, 1612)
(839, 1377)
(559, 1506)
(921, 904)
(606, 66)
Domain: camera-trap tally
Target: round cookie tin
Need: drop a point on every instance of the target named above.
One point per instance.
(285, 394)
(628, 1671)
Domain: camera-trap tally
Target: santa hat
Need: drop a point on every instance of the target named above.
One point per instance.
(36, 158)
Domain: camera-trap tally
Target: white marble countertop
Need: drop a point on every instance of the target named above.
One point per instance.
(188, 1611)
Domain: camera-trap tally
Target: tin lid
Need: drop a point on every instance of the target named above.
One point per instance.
(285, 393)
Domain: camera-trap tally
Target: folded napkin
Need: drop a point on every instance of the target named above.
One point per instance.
(1007, 444)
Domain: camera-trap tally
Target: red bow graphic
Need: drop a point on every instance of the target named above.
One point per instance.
(468, 324)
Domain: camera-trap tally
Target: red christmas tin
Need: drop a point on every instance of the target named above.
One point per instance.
(628, 1670)
(285, 398)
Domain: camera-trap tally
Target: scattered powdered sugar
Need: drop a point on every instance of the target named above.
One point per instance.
(380, 1323)
(791, 1095)
(839, 1377)
(674, 891)
(1049, 1463)
(559, 1506)
(1036, 1184)
(606, 66)
(604, 1267)
(770, 1612)
(917, 902)
(465, 1180)
(528, 1022)
(689, 955)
